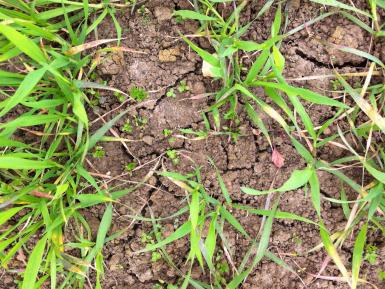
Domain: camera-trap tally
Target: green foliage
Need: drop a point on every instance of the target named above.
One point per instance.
(182, 87)
(238, 83)
(138, 93)
(127, 127)
(371, 254)
(140, 121)
(173, 156)
(120, 96)
(42, 183)
(167, 132)
(171, 93)
(44, 178)
(207, 218)
(155, 256)
(98, 152)
(130, 166)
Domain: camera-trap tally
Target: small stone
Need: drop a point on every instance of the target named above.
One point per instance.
(169, 55)
(327, 131)
(129, 280)
(8, 280)
(114, 263)
(152, 181)
(162, 13)
(112, 64)
(293, 5)
(148, 140)
(198, 87)
(145, 276)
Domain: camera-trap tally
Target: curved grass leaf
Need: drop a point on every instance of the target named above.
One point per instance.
(15, 163)
(365, 106)
(25, 88)
(6, 215)
(332, 252)
(297, 180)
(337, 4)
(357, 255)
(179, 233)
(33, 265)
(189, 14)
(23, 43)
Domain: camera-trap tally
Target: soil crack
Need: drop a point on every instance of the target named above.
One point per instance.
(318, 63)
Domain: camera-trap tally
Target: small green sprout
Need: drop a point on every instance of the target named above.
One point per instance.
(127, 127)
(121, 97)
(381, 275)
(155, 256)
(94, 100)
(130, 167)
(171, 93)
(99, 152)
(93, 76)
(145, 13)
(167, 132)
(146, 239)
(140, 121)
(223, 267)
(138, 93)
(183, 87)
(173, 156)
(142, 10)
(371, 254)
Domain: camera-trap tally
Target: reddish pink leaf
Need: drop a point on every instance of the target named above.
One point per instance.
(21, 256)
(277, 158)
(41, 195)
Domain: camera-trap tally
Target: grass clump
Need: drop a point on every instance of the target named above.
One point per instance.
(41, 180)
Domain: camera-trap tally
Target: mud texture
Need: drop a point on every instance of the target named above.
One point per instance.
(164, 63)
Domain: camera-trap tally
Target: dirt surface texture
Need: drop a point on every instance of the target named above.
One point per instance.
(165, 63)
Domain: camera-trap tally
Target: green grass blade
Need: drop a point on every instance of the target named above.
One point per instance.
(332, 252)
(358, 250)
(315, 192)
(23, 43)
(337, 4)
(25, 88)
(179, 233)
(297, 180)
(34, 264)
(189, 14)
(365, 106)
(6, 215)
(232, 221)
(104, 227)
(15, 163)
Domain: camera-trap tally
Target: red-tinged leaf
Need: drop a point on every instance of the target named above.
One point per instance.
(277, 158)
(21, 256)
(41, 195)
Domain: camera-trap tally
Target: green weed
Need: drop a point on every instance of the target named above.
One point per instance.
(173, 156)
(138, 93)
(171, 93)
(183, 87)
(98, 152)
(41, 181)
